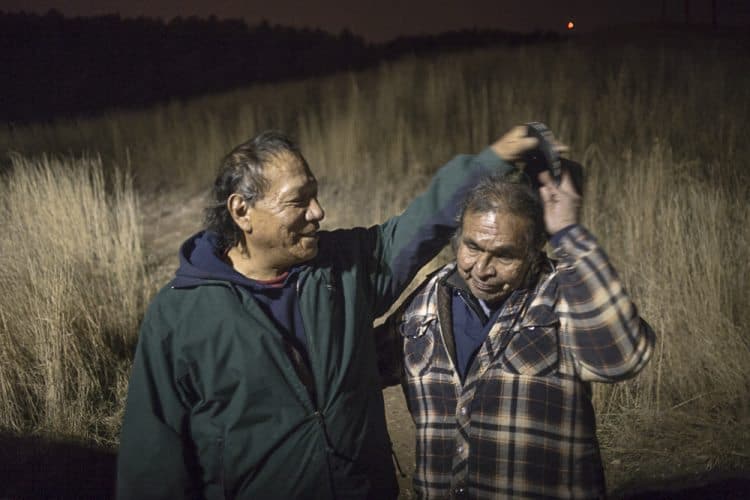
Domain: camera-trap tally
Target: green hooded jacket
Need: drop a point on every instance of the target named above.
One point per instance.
(217, 409)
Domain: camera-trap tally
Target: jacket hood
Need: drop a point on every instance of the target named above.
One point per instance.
(200, 263)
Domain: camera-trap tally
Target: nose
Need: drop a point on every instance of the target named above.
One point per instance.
(315, 212)
(483, 268)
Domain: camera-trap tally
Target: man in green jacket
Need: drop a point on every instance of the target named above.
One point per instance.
(255, 374)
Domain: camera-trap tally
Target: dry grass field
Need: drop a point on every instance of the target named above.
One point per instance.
(96, 208)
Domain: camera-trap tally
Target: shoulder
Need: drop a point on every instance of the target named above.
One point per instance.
(334, 239)
(422, 301)
(176, 309)
(343, 248)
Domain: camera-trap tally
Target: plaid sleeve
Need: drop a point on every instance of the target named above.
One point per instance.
(600, 325)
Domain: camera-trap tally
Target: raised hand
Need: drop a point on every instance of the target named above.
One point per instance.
(562, 204)
(512, 145)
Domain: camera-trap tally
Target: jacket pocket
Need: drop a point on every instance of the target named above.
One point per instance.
(534, 347)
(209, 441)
(419, 343)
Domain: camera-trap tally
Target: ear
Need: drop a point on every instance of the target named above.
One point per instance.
(239, 209)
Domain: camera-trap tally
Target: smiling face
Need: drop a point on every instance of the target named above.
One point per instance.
(284, 222)
(493, 253)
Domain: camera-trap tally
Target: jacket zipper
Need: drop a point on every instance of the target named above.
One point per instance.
(311, 390)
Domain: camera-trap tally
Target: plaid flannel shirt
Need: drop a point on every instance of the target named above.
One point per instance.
(522, 425)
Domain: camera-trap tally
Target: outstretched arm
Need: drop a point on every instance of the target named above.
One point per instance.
(403, 244)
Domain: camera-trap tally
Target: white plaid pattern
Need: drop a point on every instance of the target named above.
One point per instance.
(522, 425)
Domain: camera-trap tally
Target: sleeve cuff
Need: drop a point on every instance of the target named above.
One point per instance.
(489, 159)
(573, 243)
(556, 238)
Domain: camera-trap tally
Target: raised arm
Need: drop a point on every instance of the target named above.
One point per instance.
(405, 243)
(599, 324)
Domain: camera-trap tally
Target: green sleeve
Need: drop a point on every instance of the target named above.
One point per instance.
(408, 241)
(152, 461)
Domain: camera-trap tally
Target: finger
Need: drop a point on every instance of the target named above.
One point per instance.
(518, 131)
(560, 147)
(514, 134)
(514, 143)
(519, 141)
(545, 178)
(526, 143)
(520, 136)
(567, 186)
(546, 193)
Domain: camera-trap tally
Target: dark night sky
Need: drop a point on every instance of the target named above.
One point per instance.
(379, 20)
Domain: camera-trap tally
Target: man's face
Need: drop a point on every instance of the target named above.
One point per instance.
(492, 254)
(285, 221)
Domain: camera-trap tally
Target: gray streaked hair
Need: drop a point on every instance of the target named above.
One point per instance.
(242, 172)
(496, 193)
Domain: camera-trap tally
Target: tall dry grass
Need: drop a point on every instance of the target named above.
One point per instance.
(679, 238)
(661, 132)
(73, 290)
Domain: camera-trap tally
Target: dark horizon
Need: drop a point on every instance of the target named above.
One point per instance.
(62, 66)
(390, 19)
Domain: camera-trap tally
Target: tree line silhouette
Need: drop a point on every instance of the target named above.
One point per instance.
(54, 66)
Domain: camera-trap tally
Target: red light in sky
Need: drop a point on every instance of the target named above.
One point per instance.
(571, 25)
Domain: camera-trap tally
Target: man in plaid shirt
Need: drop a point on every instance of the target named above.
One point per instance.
(496, 350)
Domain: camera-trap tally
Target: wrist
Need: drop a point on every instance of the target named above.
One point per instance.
(558, 235)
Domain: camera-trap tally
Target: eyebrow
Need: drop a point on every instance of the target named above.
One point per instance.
(309, 188)
(501, 251)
